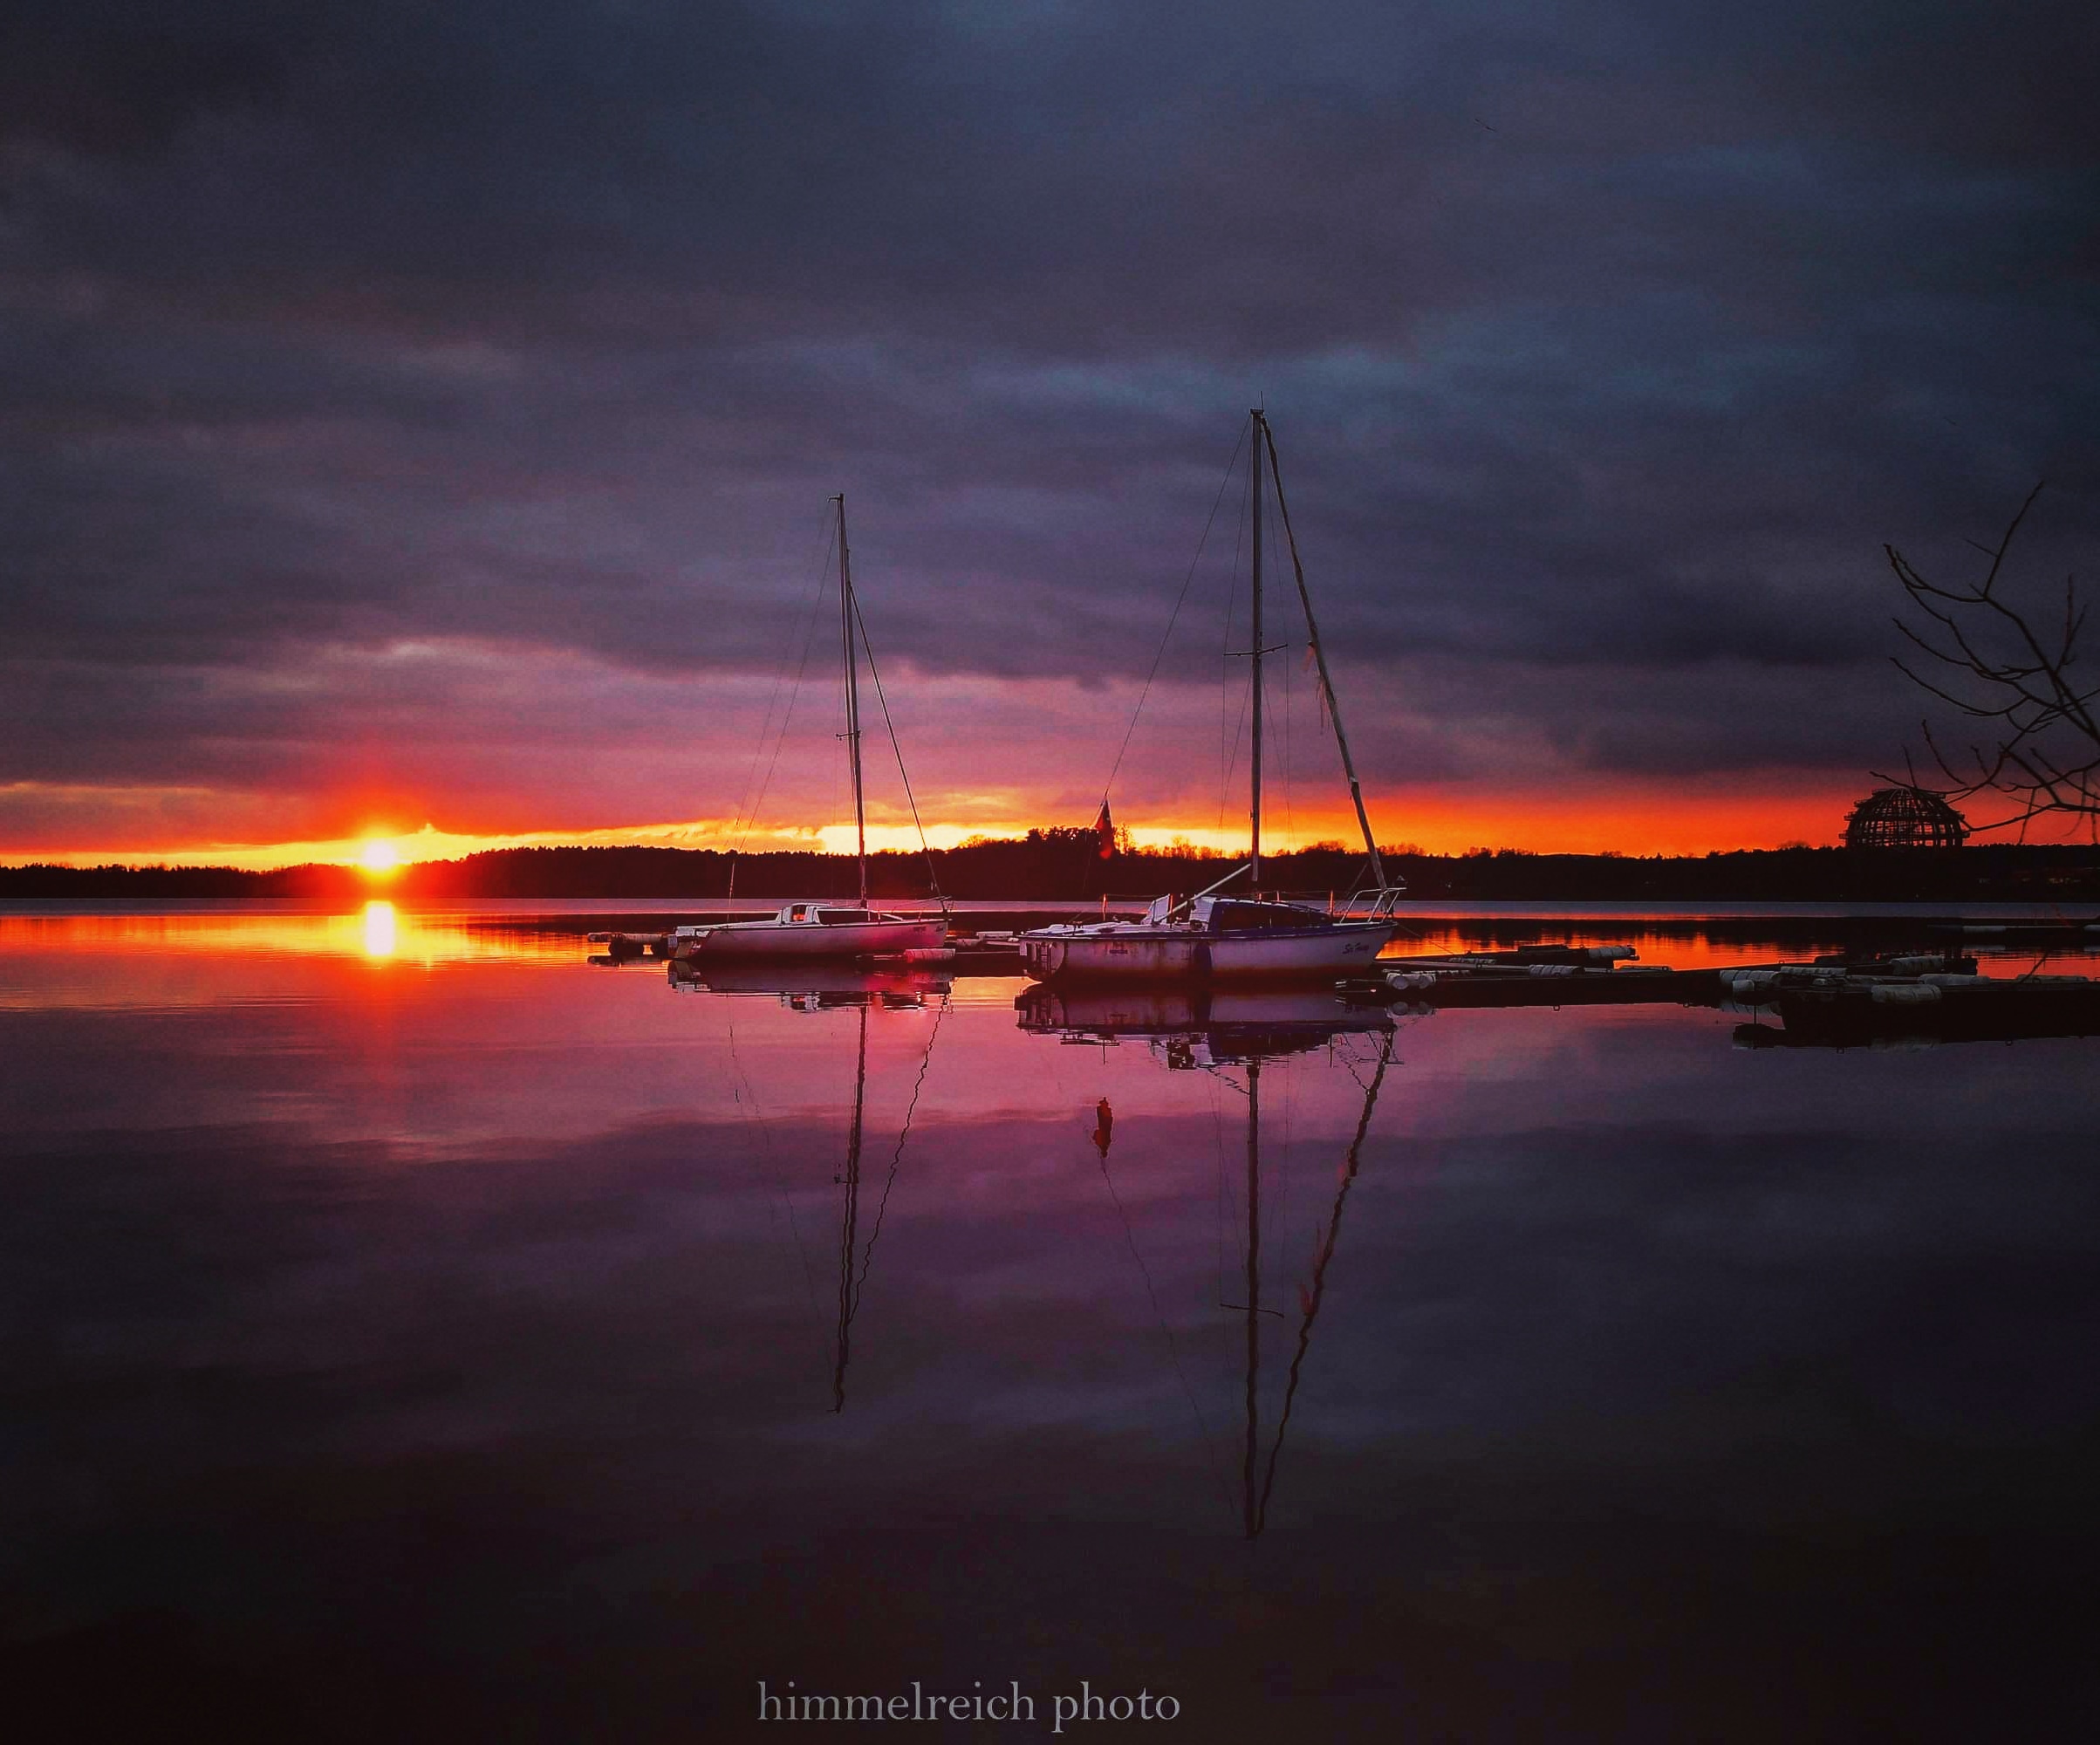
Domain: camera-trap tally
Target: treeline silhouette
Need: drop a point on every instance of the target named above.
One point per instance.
(1062, 864)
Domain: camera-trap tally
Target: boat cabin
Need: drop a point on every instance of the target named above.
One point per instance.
(1234, 914)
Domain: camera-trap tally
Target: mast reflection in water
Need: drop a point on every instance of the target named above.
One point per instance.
(1199, 1030)
(824, 988)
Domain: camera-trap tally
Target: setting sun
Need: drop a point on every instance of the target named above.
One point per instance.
(378, 856)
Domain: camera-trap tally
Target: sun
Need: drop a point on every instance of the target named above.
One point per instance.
(379, 855)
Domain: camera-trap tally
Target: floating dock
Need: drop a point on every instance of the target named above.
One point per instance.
(1857, 998)
(1533, 976)
(1832, 1001)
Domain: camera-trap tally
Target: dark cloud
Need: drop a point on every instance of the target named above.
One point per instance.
(1615, 342)
(100, 80)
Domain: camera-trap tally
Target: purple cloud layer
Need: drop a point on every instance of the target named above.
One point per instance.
(1605, 348)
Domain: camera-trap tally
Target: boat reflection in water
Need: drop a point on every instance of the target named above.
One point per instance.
(811, 987)
(1193, 1027)
(1199, 1030)
(823, 988)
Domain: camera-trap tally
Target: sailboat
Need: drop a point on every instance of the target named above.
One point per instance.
(820, 928)
(1209, 937)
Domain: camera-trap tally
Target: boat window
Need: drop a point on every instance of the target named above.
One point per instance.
(1258, 917)
(843, 917)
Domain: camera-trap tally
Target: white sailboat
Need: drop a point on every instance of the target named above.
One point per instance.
(819, 929)
(1212, 938)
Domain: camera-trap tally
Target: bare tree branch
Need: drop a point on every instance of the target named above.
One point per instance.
(2047, 757)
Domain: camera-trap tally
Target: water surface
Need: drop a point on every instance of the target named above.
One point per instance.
(410, 1331)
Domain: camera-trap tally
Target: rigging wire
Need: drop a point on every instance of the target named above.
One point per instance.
(1160, 653)
(1312, 1298)
(809, 637)
(1291, 827)
(1228, 760)
(1331, 712)
(867, 1254)
(932, 872)
(835, 805)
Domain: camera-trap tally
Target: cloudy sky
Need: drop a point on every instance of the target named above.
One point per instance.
(424, 417)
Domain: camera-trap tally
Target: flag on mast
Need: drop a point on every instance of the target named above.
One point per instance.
(1104, 832)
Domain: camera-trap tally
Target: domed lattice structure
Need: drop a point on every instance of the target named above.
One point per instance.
(1905, 817)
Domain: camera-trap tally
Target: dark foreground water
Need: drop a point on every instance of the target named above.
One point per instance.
(409, 1332)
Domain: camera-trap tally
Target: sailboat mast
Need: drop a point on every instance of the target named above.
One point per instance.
(1319, 655)
(1255, 809)
(852, 697)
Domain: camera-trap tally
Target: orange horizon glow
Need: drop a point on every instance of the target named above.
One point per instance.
(1631, 822)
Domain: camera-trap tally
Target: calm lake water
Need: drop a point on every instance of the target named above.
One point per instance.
(408, 1331)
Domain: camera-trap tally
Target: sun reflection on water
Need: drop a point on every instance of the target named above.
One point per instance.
(379, 929)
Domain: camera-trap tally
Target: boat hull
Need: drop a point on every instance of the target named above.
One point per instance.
(1169, 955)
(772, 940)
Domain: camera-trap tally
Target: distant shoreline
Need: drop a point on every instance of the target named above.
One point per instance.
(1063, 867)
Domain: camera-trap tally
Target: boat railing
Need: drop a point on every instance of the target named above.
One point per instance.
(1370, 902)
(1375, 902)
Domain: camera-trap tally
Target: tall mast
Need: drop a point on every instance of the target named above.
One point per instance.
(1255, 809)
(1320, 653)
(853, 696)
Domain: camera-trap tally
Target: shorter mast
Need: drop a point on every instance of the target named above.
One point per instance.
(853, 696)
(1319, 655)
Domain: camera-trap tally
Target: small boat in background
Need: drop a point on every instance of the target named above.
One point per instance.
(812, 930)
(822, 929)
